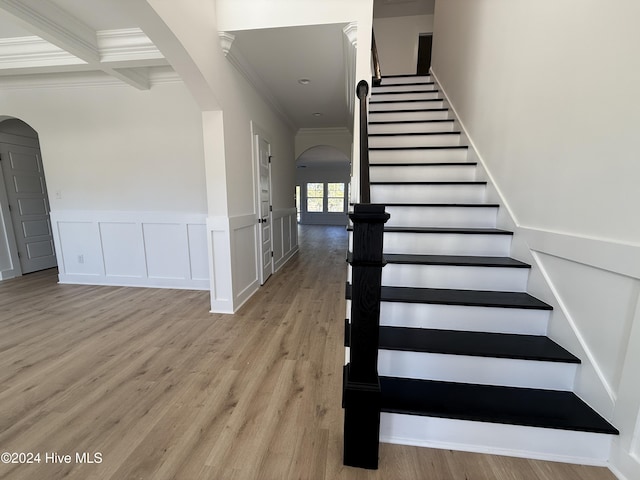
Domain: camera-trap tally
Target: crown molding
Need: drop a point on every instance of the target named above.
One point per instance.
(316, 131)
(29, 52)
(93, 78)
(126, 45)
(246, 70)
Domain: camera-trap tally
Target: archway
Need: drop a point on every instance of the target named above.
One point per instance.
(26, 240)
(322, 185)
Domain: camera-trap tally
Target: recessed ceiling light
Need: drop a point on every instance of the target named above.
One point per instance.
(304, 81)
(317, 114)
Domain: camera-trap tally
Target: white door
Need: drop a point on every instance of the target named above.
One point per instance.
(264, 208)
(29, 204)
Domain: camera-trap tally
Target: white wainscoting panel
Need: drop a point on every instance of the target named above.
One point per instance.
(141, 249)
(244, 241)
(285, 236)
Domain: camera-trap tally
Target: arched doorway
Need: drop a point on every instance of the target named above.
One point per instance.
(26, 240)
(322, 180)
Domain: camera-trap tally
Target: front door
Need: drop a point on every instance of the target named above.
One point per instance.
(29, 204)
(264, 208)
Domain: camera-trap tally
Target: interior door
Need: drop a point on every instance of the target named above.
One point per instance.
(425, 42)
(29, 204)
(264, 208)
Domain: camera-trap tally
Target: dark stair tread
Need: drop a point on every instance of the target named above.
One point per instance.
(412, 110)
(489, 403)
(412, 134)
(436, 120)
(430, 183)
(402, 92)
(378, 102)
(425, 164)
(444, 205)
(446, 296)
(456, 260)
(479, 344)
(433, 147)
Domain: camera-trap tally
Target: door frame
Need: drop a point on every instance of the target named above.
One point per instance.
(258, 134)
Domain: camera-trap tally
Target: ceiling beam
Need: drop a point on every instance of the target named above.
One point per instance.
(55, 25)
(46, 20)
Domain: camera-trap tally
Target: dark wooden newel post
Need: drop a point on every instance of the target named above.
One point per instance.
(362, 386)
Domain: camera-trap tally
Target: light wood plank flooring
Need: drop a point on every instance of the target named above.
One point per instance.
(163, 389)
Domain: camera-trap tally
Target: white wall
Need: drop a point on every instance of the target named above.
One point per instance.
(397, 42)
(548, 95)
(125, 173)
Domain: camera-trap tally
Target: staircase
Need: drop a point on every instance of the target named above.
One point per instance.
(464, 360)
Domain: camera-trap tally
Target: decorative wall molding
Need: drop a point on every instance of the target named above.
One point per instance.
(616, 257)
(285, 236)
(142, 249)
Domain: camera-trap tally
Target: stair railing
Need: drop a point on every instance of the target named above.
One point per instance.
(377, 75)
(361, 390)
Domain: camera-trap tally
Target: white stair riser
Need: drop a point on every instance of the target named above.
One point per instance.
(471, 217)
(403, 97)
(420, 193)
(423, 173)
(420, 127)
(456, 277)
(495, 438)
(462, 317)
(507, 372)
(434, 155)
(422, 115)
(447, 244)
(431, 140)
(422, 105)
(407, 79)
(405, 88)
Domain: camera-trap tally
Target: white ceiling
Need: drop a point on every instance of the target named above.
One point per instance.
(44, 40)
(282, 56)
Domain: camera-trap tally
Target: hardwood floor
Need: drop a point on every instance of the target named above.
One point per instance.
(162, 389)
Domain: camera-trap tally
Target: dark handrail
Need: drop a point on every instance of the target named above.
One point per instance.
(377, 75)
(362, 90)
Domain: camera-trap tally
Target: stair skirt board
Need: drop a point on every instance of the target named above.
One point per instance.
(456, 277)
(506, 372)
(400, 192)
(423, 172)
(431, 155)
(567, 446)
(411, 126)
(476, 216)
(431, 139)
(409, 115)
(405, 105)
(406, 95)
